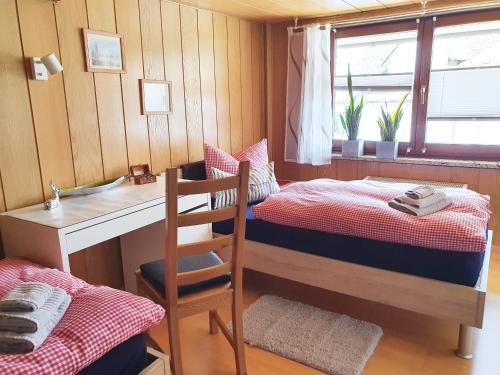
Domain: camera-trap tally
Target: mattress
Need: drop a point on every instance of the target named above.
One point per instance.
(451, 266)
(128, 358)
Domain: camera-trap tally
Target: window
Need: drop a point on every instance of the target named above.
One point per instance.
(382, 68)
(451, 67)
(464, 105)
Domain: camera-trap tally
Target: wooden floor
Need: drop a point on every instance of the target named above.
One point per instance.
(412, 343)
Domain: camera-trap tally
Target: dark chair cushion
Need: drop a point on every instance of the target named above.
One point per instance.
(194, 171)
(154, 273)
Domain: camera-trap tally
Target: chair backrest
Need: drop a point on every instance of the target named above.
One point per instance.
(174, 220)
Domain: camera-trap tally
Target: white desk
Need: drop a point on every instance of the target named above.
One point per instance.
(135, 213)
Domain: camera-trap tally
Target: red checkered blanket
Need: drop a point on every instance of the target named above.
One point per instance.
(360, 209)
(98, 319)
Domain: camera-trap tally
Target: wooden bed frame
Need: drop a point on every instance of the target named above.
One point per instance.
(453, 302)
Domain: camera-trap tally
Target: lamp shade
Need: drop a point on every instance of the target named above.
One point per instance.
(52, 63)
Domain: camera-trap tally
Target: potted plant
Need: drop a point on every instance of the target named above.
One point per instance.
(389, 124)
(350, 120)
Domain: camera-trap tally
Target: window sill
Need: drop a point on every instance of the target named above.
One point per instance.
(426, 161)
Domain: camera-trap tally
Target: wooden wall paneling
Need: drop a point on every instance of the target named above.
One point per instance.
(247, 109)
(172, 47)
(104, 271)
(328, 171)
(48, 103)
(108, 96)
(152, 53)
(192, 89)
(279, 44)
(368, 169)
(222, 82)
(307, 172)
(71, 17)
(18, 150)
(78, 265)
(346, 170)
(108, 91)
(258, 93)
(234, 69)
(207, 76)
(471, 176)
(269, 83)
(392, 170)
(2, 198)
(136, 125)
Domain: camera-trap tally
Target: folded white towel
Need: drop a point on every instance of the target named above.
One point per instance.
(26, 297)
(15, 343)
(424, 202)
(24, 322)
(420, 192)
(406, 208)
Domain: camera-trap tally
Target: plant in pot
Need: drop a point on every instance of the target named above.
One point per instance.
(389, 124)
(352, 147)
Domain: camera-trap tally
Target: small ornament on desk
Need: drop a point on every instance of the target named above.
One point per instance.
(54, 201)
(141, 174)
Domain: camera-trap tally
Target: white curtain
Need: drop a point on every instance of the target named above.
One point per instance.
(309, 127)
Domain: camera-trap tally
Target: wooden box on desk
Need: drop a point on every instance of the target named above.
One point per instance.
(142, 174)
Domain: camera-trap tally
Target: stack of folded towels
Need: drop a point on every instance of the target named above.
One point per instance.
(28, 314)
(420, 201)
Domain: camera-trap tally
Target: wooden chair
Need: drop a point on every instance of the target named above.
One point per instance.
(207, 283)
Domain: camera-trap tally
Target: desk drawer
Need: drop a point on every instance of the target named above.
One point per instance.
(86, 237)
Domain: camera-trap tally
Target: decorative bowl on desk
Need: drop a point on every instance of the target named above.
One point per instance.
(97, 187)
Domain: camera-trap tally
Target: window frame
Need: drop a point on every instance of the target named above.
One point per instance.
(417, 147)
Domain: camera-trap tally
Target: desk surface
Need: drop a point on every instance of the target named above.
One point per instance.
(77, 209)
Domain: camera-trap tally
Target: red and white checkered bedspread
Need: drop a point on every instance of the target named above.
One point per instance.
(360, 209)
(98, 319)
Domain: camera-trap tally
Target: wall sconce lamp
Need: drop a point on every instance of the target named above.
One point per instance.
(40, 67)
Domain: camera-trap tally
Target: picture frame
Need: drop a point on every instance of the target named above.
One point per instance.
(104, 52)
(156, 97)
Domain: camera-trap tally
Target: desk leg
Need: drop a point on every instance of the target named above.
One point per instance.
(37, 243)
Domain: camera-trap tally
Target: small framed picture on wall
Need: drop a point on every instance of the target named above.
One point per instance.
(104, 52)
(156, 97)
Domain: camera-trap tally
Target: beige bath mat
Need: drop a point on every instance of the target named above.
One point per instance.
(333, 343)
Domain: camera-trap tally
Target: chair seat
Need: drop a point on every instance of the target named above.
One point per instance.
(154, 273)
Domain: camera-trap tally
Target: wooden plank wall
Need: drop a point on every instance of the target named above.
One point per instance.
(485, 181)
(81, 127)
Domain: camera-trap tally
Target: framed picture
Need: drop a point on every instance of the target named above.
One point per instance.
(156, 97)
(104, 52)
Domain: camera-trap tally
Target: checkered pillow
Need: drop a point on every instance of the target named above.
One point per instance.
(220, 159)
(261, 184)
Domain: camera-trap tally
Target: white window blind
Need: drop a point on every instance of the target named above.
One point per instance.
(464, 93)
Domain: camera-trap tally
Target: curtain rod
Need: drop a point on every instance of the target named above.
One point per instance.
(413, 14)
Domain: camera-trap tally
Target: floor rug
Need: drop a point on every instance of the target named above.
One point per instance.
(333, 343)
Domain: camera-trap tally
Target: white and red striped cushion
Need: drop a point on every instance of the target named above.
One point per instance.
(360, 209)
(98, 319)
(220, 159)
